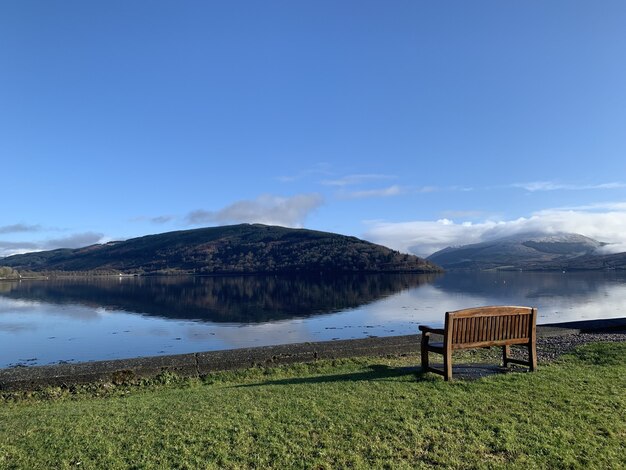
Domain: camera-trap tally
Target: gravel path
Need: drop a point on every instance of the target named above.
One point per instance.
(551, 347)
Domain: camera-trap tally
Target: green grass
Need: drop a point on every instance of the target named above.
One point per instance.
(362, 413)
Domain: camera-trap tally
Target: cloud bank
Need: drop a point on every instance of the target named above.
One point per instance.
(603, 222)
(19, 228)
(266, 209)
(383, 192)
(159, 219)
(77, 240)
(350, 180)
(552, 186)
(8, 248)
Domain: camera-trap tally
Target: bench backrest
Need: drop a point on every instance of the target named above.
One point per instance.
(490, 326)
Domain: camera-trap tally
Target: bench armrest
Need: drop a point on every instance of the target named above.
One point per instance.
(428, 330)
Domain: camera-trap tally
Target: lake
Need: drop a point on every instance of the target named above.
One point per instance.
(65, 320)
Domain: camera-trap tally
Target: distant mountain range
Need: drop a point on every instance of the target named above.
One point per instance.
(530, 251)
(233, 249)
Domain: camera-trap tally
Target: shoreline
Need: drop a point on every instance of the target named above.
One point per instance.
(202, 363)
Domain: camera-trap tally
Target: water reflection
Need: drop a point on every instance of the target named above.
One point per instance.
(501, 287)
(94, 319)
(240, 299)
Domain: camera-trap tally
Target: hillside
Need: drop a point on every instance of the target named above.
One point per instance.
(230, 249)
(528, 251)
(615, 261)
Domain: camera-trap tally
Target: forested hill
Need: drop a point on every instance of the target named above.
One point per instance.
(230, 249)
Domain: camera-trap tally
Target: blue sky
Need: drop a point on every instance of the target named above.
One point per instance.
(409, 123)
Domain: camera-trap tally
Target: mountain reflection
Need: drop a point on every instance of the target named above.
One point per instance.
(502, 287)
(239, 299)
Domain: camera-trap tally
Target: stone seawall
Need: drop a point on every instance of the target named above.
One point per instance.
(202, 363)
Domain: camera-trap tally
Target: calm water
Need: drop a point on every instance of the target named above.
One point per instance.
(47, 322)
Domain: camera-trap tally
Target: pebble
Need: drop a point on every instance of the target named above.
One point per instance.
(551, 347)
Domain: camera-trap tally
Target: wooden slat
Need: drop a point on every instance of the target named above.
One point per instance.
(488, 344)
(463, 333)
(436, 371)
(525, 326)
(435, 347)
(518, 361)
(473, 328)
(498, 327)
(496, 324)
(491, 311)
(483, 328)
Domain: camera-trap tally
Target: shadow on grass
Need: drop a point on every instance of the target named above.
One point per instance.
(465, 372)
(375, 372)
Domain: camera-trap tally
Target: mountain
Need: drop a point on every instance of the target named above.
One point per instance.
(527, 251)
(230, 249)
(615, 261)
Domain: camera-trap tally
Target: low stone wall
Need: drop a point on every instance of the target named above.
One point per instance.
(199, 364)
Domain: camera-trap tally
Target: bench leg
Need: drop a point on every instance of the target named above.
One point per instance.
(447, 364)
(424, 351)
(506, 352)
(532, 356)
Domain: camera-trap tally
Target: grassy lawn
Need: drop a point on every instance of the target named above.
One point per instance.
(365, 413)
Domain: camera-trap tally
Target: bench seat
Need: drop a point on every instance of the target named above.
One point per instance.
(481, 327)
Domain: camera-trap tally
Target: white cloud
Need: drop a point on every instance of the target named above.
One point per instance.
(394, 190)
(428, 189)
(426, 237)
(350, 180)
(596, 207)
(432, 189)
(8, 248)
(266, 209)
(383, 192)
(462, 214)
(76, 240)
(318, 169)
(553, 186)
(19, 228)
(159, 219)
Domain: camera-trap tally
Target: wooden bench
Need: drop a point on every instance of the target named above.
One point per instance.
(482, 327)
